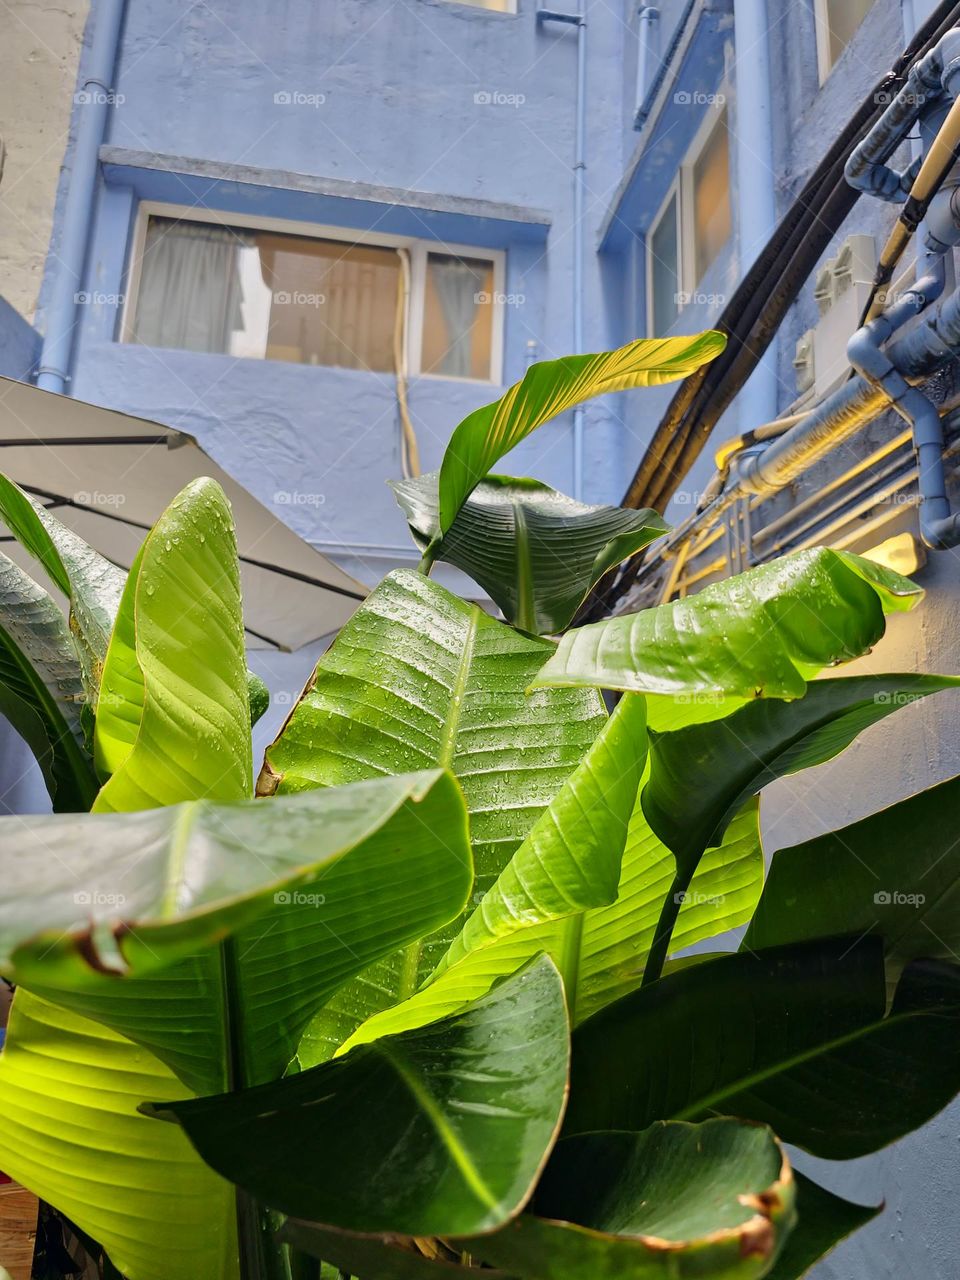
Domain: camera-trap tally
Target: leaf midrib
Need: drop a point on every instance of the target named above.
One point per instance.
(795, 1060)
(410, 963)
(448, 1137)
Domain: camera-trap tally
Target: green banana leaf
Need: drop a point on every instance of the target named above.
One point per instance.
(41, 691)
(548, 389)
(894, 874)
(764, 633)
(72, 1134)
(796, 1037)
(90, 583)
(600, 946)
(678, 1200)
(376, 1258)
(535, 551)
(441, 1131)
(417, 679)
(120, 915)
(720, 764)
(823, 1221)
(175, 668)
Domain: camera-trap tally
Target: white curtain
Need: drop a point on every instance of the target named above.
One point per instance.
(457, 285)
(190, 292)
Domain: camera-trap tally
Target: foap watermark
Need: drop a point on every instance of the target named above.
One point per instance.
(885, 97)
(97, 96)
(498, 98)
(690, 897)
(296, 498)
(484, 298)
(696, 98)
(95, 498)
(98, 898)
(298, 98)
(299, 299)
(895, 699)
(894, 898)
(298, 898)
(95, 298)
(699, 299)
(688, 497)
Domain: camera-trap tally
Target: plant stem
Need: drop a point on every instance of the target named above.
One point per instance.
(426, 562)
(660, 947)
(260, 1256)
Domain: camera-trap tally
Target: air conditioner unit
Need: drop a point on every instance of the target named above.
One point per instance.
(841, 290)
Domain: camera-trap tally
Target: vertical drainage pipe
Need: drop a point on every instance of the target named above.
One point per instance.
(647, 23)
(579, 191)
(579, 20)
(94, 101)
(756, 196)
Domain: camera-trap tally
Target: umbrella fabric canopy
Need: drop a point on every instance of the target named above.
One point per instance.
(109, 476)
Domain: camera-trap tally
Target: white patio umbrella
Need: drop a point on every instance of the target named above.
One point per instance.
(109, 476)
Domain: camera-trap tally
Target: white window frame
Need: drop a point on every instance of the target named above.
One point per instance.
(821, 18)
(683, 187)
(418, 250)
(674, 192)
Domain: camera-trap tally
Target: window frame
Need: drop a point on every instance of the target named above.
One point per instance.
(682, 186)
(417, 248)
(688, 223)
(821, 21)
(513, 7)
(673, 193)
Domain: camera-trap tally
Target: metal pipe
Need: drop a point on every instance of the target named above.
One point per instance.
(579, 20)
(866, 169)
(757, 203)
(647, 23)
(94, 100)
(939, 529)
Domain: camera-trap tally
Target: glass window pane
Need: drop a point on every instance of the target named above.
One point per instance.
(266, 295)
(843, 19)
(711, 197)
(457, 317)
(502, 6)
(665, 270)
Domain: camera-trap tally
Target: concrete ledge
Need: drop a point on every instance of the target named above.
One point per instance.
(242, 188)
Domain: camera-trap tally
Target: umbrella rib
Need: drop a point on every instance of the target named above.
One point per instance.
(58, 500)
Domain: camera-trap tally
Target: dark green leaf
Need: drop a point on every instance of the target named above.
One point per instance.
(376, 1258)
(41, 691)
(796, 1038)
(677, 1200)
(823, 1221)
(895, 874)
(120, 915)
(535, 551)
(90, 582)
(439, 1131)
(700, 776)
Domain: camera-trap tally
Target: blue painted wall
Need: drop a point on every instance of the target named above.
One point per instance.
(398, 81)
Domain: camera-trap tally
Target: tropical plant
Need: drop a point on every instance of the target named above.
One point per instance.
(423, 1011)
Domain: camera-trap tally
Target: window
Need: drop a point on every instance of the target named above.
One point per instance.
(692, 226)
(501, 6)
(712, 222)
(837, 23)
(257, 292)
(663, 267)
